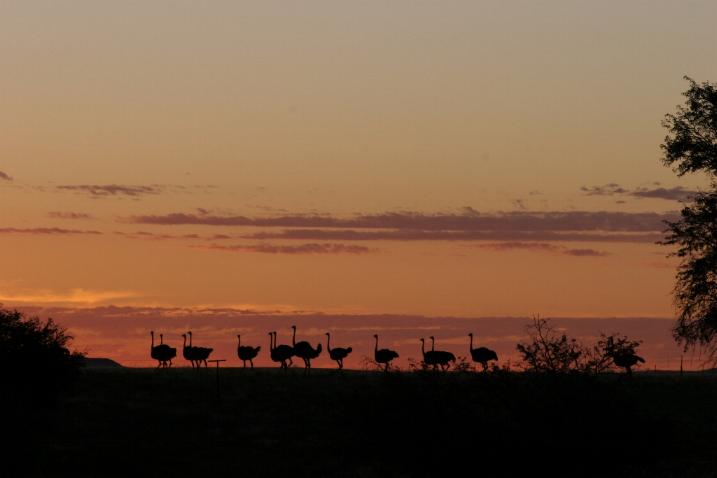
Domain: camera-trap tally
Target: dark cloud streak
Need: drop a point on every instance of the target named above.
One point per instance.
(311, 248)
(46, 231)
(469, 220)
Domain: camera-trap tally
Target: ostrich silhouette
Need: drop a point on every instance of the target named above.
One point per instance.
(247, 352)
(627, 361)
(187, 351)
(305, 351)
(383, 356)
(441, 357)
(481, 355)
(199, 354)
(429, 358)
(337, 354)
(280, 353)
(170, 352)
(162, 353)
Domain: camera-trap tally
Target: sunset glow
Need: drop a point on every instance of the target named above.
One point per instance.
(357, 168)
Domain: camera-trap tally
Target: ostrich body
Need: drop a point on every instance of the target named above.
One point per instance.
(162, 353)
(168, 353)
(441, 357)
(199, 354)
(627, 360)
(247, 352)
(305, 351)
(429, 358)
(280, 353)
(187, 352)
(481, 355)
(383, 356)
(337, 354)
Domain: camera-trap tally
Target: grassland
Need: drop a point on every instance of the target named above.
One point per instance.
(143, 422)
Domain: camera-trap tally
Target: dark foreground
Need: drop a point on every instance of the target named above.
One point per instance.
(139, 422)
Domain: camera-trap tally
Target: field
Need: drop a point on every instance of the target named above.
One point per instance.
(142, 422)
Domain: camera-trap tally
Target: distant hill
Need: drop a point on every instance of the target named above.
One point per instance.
(92, 362)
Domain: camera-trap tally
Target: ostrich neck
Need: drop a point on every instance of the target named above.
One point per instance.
(184, 345)
(239, 337)
(376, 348)
(293, 337)
(271, 342)
(471, 346)
(328, 343)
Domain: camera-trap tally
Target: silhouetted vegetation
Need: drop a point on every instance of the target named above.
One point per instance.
(689, 147)
(548, 350)
(35, 353)
(37, 368)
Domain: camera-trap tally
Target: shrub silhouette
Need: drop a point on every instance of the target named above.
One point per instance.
(550, 351)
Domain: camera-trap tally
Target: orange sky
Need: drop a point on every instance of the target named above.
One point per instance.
(476, 160)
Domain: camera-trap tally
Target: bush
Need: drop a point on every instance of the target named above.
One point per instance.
(550, 351)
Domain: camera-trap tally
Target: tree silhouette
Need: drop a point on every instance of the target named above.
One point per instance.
(689, 147)
(36, 352)
(548, 351)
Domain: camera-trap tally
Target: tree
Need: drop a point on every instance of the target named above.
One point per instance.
(549, 351)
(35, 352)
(689, 147)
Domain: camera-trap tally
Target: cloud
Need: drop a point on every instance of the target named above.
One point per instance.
(609, 189)
(468, 220)
(677, 193)
(116, 190)
(45, 231)
(156, 237)
(411, 235)
(543, 247)
(5, 176)
(311, 248)
(68, 215)
(73, 296)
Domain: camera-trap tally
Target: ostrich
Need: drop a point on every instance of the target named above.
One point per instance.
(441, 357)
(200, 354)
(169, 352)
(337, 354)
(481, 355)
(280, 353)
(161, 353)
(187, 351)
(429, 358)
(383, 356)
(627, 360)
(305, 351)
(247, 352)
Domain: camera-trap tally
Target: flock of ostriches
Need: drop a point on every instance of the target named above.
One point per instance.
(283, 354)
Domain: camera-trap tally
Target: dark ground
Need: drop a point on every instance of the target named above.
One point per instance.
(144, 422)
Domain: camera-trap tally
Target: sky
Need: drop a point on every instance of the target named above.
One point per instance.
(387, 161)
